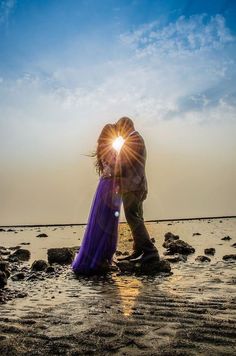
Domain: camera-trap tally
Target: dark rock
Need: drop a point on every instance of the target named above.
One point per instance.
(179, 246)
(210, 251)
(169, 237)
(196, 234)
(39, 265)
(42, 235)
(14, 247)
(25, 243)
(2, 230)
(63, 255)
(4, 268)
(226, 238)
(126, 253)
(3, 279)
(21, 254)
(234, 245)
(148, 268)
(118, 253)
(22, 295)
(153, 240)
(13, 259)
(177, 258)
(125, 266)
(229, 257)
(18, 276)
(10, 230)
(202, 259)
(50, 269)
(155, 267)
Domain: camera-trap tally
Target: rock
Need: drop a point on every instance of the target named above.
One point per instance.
(155, 267)
(21, 254)
(18, 276)
(10, 230)
(39, 265)
(210, 251)
(196, 234)
(179, 246)
(169, 237)
(63, 255)
(118, 253)
(22, 295)
(148, 268)
(177, 258)
(229, 257)
(2, 230)
(125, 266)
(25, 243)
(153, 240)
(226, 238)
(4, 268)
(3, 279)
(202, 259)
(126, 253)
(42, 235)
(50, 269)
(234, 245)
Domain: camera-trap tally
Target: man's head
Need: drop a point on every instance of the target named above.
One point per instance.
(124, 126)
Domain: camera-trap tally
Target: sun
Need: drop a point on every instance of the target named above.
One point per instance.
(118, 143)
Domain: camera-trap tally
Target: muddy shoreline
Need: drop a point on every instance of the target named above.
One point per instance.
(191, 312)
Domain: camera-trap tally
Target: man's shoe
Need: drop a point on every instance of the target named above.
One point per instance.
(135, 254)
(146, 257)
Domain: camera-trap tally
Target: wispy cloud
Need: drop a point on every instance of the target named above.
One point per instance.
(184, 70)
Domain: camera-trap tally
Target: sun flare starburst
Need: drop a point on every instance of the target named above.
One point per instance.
(118, 143)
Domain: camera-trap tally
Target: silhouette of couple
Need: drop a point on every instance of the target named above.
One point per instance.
(120, 162)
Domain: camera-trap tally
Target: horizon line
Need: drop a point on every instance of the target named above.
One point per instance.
(124, 222)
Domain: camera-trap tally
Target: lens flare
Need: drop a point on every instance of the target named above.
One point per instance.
(118, 143)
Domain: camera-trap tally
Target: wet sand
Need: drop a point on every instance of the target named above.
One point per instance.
(191, 312)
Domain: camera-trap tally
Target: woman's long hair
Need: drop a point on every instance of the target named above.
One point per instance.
(104, 145)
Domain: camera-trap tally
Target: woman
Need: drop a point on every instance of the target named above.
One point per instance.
(100, 238)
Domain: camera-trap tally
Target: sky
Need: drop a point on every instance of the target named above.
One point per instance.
(69, 67)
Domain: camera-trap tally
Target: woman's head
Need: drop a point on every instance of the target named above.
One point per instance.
(107, 134)
(104, 144)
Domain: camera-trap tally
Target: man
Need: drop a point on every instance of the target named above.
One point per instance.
(133, 186)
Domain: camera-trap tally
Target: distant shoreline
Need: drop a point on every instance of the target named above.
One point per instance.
(123, 222)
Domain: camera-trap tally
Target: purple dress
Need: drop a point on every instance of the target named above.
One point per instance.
(100, 238)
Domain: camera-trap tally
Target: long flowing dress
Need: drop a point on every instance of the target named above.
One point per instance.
(100, 238)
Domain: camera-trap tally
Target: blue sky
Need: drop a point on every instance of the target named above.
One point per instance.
(68, 67)
(32, 29)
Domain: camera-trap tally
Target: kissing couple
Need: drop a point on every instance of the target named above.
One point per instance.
(120, 162)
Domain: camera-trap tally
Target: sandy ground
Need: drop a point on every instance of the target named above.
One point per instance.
(191, 312)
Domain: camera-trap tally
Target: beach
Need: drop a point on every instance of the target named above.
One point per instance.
(190, 311)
